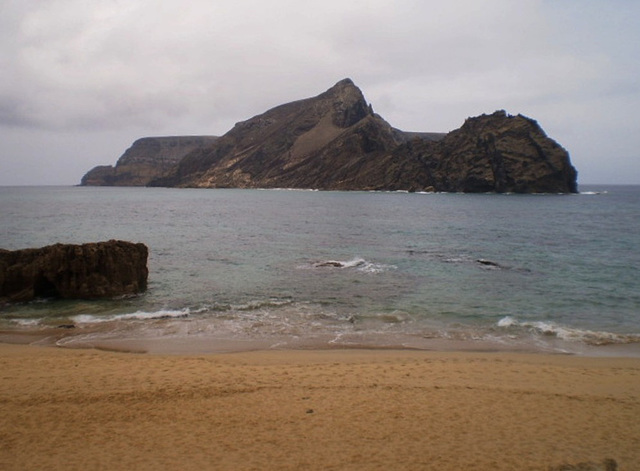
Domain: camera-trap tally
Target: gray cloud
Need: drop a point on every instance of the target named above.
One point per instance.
(105, 72)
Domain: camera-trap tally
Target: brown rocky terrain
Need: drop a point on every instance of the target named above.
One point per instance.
(94, 270)
(147, 159)
(335, 141)
(491, 153)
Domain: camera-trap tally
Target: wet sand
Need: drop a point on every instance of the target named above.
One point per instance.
(332, 409)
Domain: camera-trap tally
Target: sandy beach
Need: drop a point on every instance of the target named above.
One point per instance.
(347, 409)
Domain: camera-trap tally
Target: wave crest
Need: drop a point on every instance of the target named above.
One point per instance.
(357, 263)
(570, 334)
(133, 316)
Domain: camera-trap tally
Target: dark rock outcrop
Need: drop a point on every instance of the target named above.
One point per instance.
(147, 159)
(94, 270)
(492, 153)
(335, 141)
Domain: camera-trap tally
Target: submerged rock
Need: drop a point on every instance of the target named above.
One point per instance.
(488, 263)
(329, 264)
(93, 270)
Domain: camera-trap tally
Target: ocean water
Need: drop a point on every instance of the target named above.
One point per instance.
(238, 269)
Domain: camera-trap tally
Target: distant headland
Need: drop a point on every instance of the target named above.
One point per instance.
(335, 141)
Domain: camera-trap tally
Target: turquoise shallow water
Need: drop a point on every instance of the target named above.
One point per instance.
(533, 272)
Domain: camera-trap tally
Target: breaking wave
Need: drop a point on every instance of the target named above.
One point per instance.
(566, 333)
(183, 313)
(356, 263)
(134, 316)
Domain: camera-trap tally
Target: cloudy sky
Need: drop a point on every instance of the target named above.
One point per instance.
(82, 79)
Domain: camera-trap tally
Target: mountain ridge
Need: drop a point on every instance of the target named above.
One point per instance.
(335, 141)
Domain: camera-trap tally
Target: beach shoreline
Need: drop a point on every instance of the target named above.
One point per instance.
(315, 409)
(73, 338)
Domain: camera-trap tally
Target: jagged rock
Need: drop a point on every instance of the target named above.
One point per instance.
(147, 159)
(329, 263)
(335, 141)
(94, 270)
(488, 263)
(493, 153)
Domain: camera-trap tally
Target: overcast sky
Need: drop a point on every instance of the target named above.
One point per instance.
(82, 79)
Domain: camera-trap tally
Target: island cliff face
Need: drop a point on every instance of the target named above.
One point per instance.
(147, 159)
(492, 153)
(335, 141)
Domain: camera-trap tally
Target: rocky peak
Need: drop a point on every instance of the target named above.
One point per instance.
(497, 121)
(349, 104)
(502, 153)
(345, 82)
(343, 88)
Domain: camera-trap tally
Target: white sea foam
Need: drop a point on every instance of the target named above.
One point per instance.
(134, 316)
(26, 322)
(256, 305)
(259, 304)
(356, 263)
(507, 321)
(569, 333)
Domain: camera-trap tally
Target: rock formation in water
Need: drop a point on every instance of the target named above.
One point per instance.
(335, 141)
(94, 270)
(147, 159)
(491, 153)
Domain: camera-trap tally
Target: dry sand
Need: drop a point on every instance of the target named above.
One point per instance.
(329, 410)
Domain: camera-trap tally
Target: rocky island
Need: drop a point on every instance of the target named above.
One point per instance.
(335, 141)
